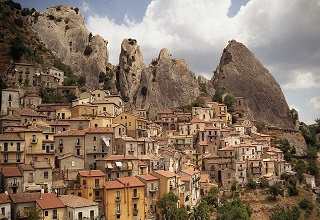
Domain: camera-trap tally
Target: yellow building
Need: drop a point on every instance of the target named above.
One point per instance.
(51, 207)
(84, 110)
(136, 127)
(39, 145)
(12, 148)
(89, 186)
(108, 107)
(125, 199)
(63, 113)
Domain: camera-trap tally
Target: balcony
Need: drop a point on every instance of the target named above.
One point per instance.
(135, 212)
(15, 185)
(92, 151)
(118, 198)
(153, 189)
(7, 161)
(78, 144)
(136, 196)
(98, 187)
(98, 198)
(240, 168)
(118, 213)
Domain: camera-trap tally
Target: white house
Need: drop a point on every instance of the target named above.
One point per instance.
(5, 206)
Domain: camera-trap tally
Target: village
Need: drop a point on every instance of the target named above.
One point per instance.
(92, 159)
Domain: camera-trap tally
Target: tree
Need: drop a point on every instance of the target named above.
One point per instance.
(217, 97)
(281, 214)
(212, 197)
(300, 168)
(202, 211)
(292, 187)
(33, 213)
(306, 205)
(229, 100)
(82, 80)
(235, 210)
(264, 183)
(251, 184)
(274, 190)
(169, 209)
(17, 47)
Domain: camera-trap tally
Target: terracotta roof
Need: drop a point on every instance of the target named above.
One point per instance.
(130, 181)
(27, 112)
(142, 164)
(24, 197)
(88, 173)
(99, 130)
(76, 201)
(26, 167)
(10, 118)
(185, 178)
(10, 137)
(120, 157)
(11, 172)
(4, 198)
(41, 165)
(50, 201)
(58, 123)
(190, 171)
(204, 177)
(227, 148)
(113, 185)
(196, 120)
(66, 155)
(71, 133)
(148, 177)
(203, 143)
(165, 173)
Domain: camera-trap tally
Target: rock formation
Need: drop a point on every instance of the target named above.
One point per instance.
(62, 30)
(166, 83)
(241, 74)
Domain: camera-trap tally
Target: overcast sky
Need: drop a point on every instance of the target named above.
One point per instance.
(284, 35)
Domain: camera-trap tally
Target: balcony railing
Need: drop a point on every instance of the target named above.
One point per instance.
(240, 168)
(15, 185)
(118, 212)
(97, 186)
(34, 140)
(135, 212)
(153, 189)
(2, 161)
(98, 198)
(118, 198)
(78, 144)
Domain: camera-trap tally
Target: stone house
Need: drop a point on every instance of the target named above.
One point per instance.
(49, 69)
(126, 145)
(21, 74)
(78, 123)
(107, 107)
(240, 168)
(26, 115)
(49, 109)
(63, 113)
(42, 175)
(69, 161)
(72, 141)
(57, 126)
(5, 206)
(9, 99)
(191, 177)
(11, 180)
(84, 110)
(32, 101)
(79, 208)
(227, 177)
(51, 207)
(22, 202)
(310, 180)
(136, 127)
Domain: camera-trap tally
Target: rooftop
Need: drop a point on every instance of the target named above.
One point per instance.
(24, 197)
(91, 173)
(147, 177)
(76, 201)
(130, 181)
(11, 172)
(50, 201)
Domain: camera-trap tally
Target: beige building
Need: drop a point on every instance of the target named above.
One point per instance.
(12, 149)
(32, 101)
(22, 202)
(51, 207)
(21, 74)
(11, 179)
(9, 99)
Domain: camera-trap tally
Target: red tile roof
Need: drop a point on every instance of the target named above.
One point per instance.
(71, 133)
(50, 201)
(76, 201)
(10, 137)
(41, 165)
(24, 197)
(227, 148)
(168, 111)
(113, 185)
(4, 198)
(88, 173)
(165, 173)
(11, 172)
(190, 171)
(99, 130)
(26, 167)
(148, 177)
(120, 157)
(130, 181)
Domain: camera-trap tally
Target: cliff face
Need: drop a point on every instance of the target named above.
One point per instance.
(166, 83)
(241, 74)
(62, 30)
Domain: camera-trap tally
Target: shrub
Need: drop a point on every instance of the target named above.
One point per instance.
(264, 183)
(76, 10)
(306, 205)
(17, 47)
(88, 50)
(251, 184)
(281, 214)
(18, 21)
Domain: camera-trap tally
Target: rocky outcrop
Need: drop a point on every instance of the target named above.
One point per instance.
(62, 30)
(241, 74)
(165, 83)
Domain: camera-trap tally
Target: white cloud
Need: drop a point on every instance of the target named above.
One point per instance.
(85, 7)
(284, 35)
(314, 104)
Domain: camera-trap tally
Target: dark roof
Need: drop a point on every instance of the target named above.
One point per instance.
(24, 197)
(11, 172)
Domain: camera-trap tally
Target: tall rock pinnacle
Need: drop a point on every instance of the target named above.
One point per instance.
(241, 74)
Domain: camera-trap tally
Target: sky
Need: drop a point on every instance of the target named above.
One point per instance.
(284, 36)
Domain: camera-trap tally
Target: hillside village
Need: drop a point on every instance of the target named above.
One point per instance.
(93, 159)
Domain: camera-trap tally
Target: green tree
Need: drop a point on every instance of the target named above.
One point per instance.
(300, 168)
(201, 212)
(306, 205)
(292, 187)
(229, 100)
(291, 214)
(312, 168)
(274, 190)
(17, 47)
(169, 209)
(217, 97)
(235, 210)
(33, 213)
(212, 197)
(264, 183)
(82, 80)
(251, 184)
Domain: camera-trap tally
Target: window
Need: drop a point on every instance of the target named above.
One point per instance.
(94, 138)
(3, 211)
(54, 214)
(118, 175)
(43, 147)
(118, 208)
(5, 147)
(135, 192)
(46, 213)
(47, 136)
(46, 174)
(118, 195)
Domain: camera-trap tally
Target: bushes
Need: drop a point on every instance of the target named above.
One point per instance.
(306, 205)
(291, 214)
(251, 184)
(17, 47)
(18, 21)
(234, 210)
